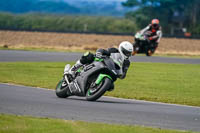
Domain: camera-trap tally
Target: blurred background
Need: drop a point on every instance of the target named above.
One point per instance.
(179, 18)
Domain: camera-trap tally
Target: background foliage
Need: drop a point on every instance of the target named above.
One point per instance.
(41, 22)
(174, 14)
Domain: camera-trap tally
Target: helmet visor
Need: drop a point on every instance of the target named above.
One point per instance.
(126, 52)
(155, 25)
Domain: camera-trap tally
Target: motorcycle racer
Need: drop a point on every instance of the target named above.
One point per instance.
(125, 49)
(154, 33)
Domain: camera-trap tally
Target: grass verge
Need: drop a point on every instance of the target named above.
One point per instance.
(25, 124)
(161, 82)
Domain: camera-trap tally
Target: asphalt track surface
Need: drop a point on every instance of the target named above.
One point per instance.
(15, 55)
(31, 101)
(39, 102)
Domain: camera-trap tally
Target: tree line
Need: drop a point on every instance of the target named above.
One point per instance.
(133, 22)
(58, 23)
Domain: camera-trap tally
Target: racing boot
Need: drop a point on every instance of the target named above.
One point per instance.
(74, 68)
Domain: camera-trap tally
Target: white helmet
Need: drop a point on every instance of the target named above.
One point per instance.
(125, 49)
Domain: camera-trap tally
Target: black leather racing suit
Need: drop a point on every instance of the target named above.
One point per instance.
(88, 58)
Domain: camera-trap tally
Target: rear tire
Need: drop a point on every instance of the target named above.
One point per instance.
(104, 86)
(62, 92)
(149, 53)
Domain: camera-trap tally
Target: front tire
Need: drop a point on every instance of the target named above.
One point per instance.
(103, 87)
(62, 91)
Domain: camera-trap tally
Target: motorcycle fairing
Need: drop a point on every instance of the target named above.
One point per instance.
(88, 71)
(92, 69)
(101, 77)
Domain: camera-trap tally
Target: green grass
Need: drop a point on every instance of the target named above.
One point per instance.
(170, 83)
(22, 124)
(161, 82)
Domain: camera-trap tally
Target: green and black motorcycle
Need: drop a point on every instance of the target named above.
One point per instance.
(93, 80)
(142, 44)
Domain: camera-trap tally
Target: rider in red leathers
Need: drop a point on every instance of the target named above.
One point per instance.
(154, 33)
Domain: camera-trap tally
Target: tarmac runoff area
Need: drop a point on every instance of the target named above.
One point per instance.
(17, 55)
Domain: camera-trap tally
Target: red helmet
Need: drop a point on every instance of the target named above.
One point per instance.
(155, 23)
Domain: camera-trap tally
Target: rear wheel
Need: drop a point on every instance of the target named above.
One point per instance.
(149, 53)
(96, 91)
(62, 89)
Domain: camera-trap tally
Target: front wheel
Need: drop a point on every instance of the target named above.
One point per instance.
(62, 89)
(96, 91)
(135, 51)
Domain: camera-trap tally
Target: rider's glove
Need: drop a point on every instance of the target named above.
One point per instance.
(102, 53)
(150, 38)
(99, 55)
